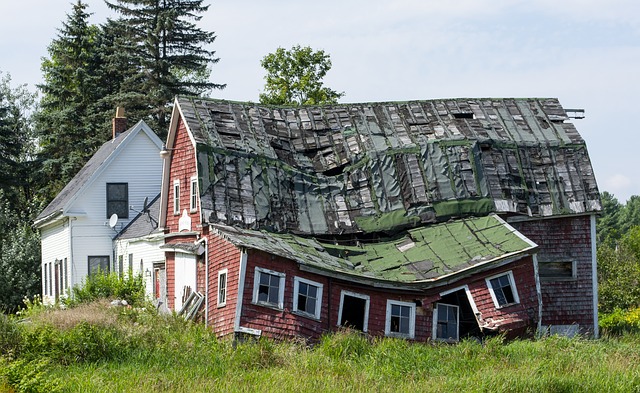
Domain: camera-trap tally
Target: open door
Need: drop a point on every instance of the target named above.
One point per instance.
(160, 287)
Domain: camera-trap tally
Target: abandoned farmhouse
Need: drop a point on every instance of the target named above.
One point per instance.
(425, 220)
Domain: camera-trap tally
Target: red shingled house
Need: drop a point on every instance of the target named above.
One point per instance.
(425, 219)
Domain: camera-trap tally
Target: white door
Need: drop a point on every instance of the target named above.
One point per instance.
(185, 280)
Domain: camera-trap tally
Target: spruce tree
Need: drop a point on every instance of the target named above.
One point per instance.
(170, 50)
(68, 136)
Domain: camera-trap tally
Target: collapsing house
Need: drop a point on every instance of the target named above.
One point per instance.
(427, 220)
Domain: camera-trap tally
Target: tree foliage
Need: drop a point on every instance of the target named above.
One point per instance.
(170, 51)
(619, 273)
(294, 77)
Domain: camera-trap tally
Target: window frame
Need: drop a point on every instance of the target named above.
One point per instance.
(110, 211)
(222, 298)
(296, 292)
(259, 271)
(176, 197)
(193, 194)
(412, 319)
(90, 257)
(367, 305)
(574, 271)
(434, 334)
(512, 283)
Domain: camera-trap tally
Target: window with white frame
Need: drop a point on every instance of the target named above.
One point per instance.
(222, 287)
(354, 310)
(400, 321)
(176, 197)
(45, 278)
(502, 288)
(193, 194)
(307, 297)
(268, 288)
(98, 263)
(445, 322)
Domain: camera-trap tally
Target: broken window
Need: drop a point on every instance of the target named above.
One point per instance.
(222, 288)
(503, 289)
(557, 270)
(307, 297)
(445, 321)
(268, 288)
(354, 310)
(400, 319)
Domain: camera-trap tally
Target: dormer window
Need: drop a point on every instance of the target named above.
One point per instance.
(118, 199)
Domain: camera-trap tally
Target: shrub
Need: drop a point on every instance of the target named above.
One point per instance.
(97, 286)
(28, 376)
(10, 338)
(621, 321)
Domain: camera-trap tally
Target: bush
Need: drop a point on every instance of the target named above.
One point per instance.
(98, 286)
(27, 376)
(620, 322)
(10, 338)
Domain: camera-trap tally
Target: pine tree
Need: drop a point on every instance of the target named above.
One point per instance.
(70, 90)
(169, 49)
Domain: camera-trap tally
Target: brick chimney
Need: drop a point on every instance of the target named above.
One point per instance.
(119, 122)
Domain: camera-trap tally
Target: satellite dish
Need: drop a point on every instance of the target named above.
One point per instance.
(145, 208)
(113, 220)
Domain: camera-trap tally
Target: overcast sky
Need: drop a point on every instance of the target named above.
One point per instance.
(584, 52)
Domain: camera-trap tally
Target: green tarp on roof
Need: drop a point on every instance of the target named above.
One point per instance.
(416, 256)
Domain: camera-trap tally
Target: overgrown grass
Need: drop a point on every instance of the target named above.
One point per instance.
(96, 348)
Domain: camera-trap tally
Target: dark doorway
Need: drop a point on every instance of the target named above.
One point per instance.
(468, 324)
(354, 310)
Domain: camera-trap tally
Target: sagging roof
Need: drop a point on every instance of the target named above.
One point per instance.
(376, 167)
(95, 164)
(420, 256)
(145, 223)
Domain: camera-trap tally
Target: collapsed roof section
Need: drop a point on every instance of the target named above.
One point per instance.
(416, 258)
(382, 167)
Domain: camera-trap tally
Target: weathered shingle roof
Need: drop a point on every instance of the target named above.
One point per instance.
(95, 163)
(353, 168)
(420, 256)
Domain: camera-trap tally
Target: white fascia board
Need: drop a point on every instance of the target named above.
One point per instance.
(141, 125)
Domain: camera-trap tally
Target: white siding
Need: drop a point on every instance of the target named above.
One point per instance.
(146, 250)
(136, 162)
(55, 246)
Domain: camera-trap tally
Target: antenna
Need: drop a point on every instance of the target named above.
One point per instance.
(113, 220)
(145, 205)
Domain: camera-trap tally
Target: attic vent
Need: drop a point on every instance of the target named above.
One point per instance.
(463, 116)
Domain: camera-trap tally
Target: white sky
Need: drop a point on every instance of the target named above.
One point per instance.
(584, 52)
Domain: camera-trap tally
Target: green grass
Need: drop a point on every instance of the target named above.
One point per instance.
(92, 348)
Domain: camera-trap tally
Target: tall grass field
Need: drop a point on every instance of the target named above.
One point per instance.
(94, 347)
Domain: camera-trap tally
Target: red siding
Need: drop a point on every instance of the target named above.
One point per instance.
(565, 239)
(223, 255)
(183, 167)
(284, 323)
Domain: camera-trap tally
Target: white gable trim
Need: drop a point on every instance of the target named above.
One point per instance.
(141, 126)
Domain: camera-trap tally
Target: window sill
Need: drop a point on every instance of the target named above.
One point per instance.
(268, 305)
(306, 315)
(222, 305)
(498, 307)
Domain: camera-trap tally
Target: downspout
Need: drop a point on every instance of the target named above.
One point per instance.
(241, 276)
(538, 291)
(71, 262)
(594, 277)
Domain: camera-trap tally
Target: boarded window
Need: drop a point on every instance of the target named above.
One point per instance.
(557, 270)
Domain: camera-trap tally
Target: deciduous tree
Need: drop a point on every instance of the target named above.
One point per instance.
(295, 77)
